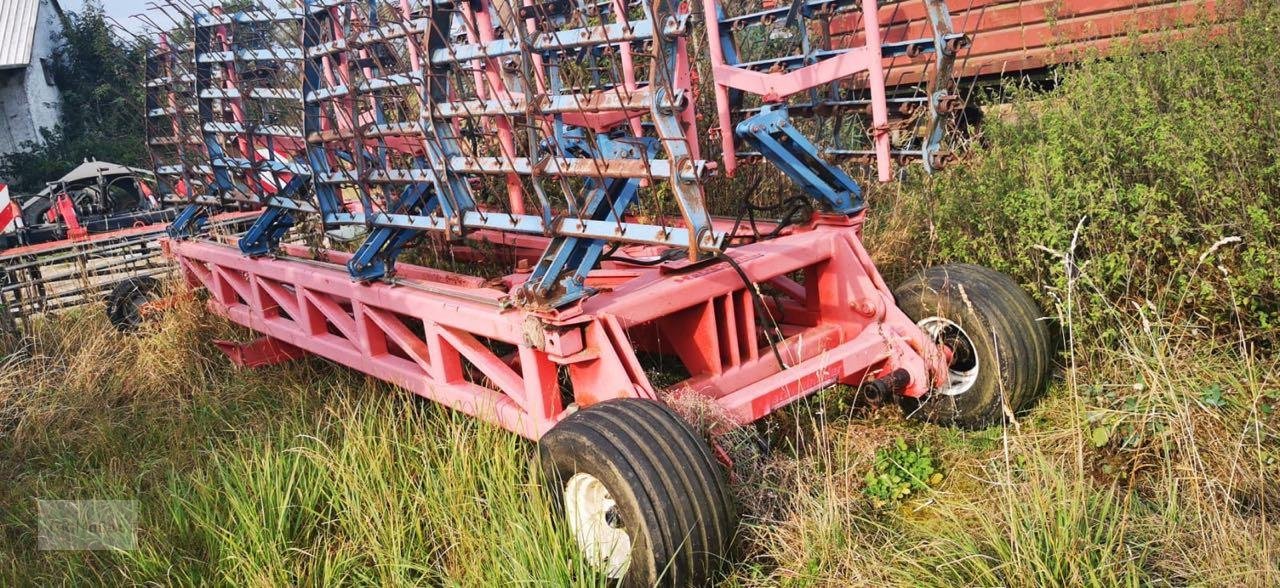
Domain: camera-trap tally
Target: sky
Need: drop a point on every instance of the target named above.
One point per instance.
(121, 10)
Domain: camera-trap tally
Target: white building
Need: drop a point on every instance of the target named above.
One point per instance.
(28, 97)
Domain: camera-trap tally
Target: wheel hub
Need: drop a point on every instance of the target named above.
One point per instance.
(597, 524)
(962, 371)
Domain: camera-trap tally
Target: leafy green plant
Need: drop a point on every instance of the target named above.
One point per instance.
(900, 470)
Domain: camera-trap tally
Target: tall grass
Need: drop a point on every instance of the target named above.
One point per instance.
(1137, 199)
(374, 491)
(1168, 158)
(298, 475)
(1154, 465)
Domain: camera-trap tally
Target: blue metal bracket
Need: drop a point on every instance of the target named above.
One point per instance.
(772, 133)
(189, 222)
(376, 257)
(560, 276)
(264, 236)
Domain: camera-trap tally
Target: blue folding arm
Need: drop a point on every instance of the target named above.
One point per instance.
(376, 257)
(189, 222)
(560, 276)
(773, 135)
(265, 234)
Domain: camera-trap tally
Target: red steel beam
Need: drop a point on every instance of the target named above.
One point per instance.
(449, 340)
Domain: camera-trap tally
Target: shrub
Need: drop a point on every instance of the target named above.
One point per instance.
(1168, 162)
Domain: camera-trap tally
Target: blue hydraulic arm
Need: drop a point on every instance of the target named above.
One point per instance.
(559, 278)
(265, 234)
(189, 222)
(376, 257)
(773, 135)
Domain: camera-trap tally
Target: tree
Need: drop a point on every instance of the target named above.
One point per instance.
(99, 78)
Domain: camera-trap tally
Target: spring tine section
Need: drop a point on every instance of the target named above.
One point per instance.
(569, 119)
(784, 56)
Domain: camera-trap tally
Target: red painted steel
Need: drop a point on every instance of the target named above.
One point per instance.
(1010, 37)
(260, 352)
(863, 60)
(755, 327)
(448, 338)
(65, 210)
(157, 229)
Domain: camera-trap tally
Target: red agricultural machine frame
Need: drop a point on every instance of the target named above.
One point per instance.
(432, 332)
(755, 326)
(756, 323)
(558, 143)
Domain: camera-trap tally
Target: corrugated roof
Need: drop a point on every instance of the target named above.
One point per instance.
(17, 31)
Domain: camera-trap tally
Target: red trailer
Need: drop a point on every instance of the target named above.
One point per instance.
(1023, 37)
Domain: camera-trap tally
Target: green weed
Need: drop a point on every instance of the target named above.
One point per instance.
(901, 470)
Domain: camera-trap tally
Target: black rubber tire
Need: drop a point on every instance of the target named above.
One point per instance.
(1006, 329)
(125, 302)
(33, 210)
(670, 493)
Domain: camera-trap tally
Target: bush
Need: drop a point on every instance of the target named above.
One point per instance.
(1171, 162)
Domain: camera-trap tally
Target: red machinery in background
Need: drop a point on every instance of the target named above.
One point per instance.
(92, 233)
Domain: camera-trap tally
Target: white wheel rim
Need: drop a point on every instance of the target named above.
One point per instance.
(594, 521)
(960, 378)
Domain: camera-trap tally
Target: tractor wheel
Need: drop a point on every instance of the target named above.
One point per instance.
(641, 493)
(1001, 346)
(33, 211)
(126, 300)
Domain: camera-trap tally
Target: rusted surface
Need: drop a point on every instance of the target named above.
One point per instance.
(1022, 36)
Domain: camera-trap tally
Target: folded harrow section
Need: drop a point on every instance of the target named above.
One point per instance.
(406, 118)
(559, 139)
(779, 61)
(174, 142)
(573, 120)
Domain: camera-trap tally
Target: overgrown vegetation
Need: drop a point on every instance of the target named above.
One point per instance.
(101, 89)
(1159, 177)
(1152, 459)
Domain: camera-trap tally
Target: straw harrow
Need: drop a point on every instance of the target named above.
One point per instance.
(551, 160)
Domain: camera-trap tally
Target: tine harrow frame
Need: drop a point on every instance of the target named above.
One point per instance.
(565, 135)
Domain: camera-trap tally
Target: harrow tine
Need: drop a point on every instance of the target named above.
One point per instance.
(572, 120)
